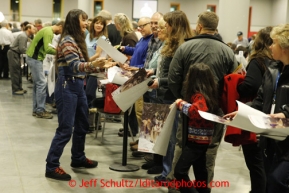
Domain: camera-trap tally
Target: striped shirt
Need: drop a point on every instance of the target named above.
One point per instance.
(70, 58)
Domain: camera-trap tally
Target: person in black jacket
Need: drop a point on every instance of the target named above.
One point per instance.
(206, 48)
(259, 60)
(273, 99)
(274, 95)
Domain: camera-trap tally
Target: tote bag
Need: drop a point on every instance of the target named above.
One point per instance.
(109, 105)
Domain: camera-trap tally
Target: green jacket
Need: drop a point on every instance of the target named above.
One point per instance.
(39, 45)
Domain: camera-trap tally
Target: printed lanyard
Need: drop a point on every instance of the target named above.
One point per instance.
(275, 89)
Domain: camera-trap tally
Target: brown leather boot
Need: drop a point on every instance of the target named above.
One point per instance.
(133, 143)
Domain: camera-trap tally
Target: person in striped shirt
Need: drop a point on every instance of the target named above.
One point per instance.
(72, 63)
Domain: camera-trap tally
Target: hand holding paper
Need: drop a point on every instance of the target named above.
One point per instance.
(249, 119)
(99, 63)
(278, 115)
(230, 116)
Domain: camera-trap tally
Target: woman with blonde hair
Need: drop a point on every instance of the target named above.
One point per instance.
(125, 28)
(129, 38)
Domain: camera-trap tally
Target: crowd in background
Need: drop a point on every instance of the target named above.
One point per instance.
(188, 67)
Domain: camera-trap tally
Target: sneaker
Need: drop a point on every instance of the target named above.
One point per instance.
(85, 164)
(148, 165)
(161, 180)
(34, 114)
(155, 170)
(58, 174)
(149, 157)
(24, 91)
(19, 92)
(44, 115)
(172, 187)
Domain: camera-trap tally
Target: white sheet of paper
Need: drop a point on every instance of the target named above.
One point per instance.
(242, 121)
(265, 123)
(127, 98)
(111, 51)
(145, 146)
(114, 75)
(51, 79)
(161, 144)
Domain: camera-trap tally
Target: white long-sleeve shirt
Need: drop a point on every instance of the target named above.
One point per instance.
(6, 37)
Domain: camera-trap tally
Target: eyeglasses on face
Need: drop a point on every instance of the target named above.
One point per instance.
(142, 26)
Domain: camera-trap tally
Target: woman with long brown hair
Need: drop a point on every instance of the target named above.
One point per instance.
(73, 64)
(259, 60)
(97, 29)
(178, 29)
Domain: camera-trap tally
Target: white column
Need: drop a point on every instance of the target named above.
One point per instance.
(233, 15)
(279, 12)
(87, 6)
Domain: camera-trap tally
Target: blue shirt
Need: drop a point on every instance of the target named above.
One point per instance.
(91, 44)
(138, 52)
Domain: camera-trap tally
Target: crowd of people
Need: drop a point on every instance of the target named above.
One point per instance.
(188, 67)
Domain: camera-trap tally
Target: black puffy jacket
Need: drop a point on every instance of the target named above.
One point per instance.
(264, 100)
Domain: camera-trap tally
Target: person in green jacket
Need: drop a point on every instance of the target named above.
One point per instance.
(39, 47)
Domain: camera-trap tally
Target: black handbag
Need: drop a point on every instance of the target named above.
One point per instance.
(98, 103)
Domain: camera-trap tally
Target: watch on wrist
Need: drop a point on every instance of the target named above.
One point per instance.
(91, 65)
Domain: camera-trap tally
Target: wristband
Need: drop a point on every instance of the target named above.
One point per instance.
(178, 104)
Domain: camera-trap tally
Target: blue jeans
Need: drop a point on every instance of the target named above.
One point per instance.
(278, 178)
(168, 158)
(90, 90)
(39, 84)
(72, 109)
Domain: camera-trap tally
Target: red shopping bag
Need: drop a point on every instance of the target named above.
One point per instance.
(109, 105)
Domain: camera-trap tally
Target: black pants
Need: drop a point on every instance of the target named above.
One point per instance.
(254, 161)
(15, 70)
(4, 67)
(193, 155)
